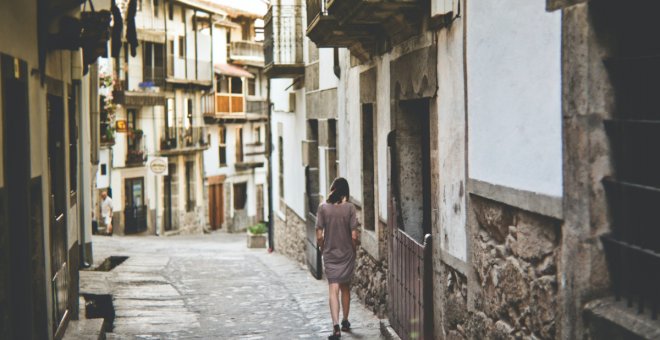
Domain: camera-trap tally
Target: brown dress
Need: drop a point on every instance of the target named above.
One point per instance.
(337, 222)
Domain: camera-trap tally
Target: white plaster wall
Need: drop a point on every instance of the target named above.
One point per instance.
(450, 106)
(327, 77)
(349, 126)
(103, 181)
(294, 127)
(219, 45)
(279, 95)
(514, 95)
(383, 125)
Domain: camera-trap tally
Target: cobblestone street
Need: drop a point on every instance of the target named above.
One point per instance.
(213, 287)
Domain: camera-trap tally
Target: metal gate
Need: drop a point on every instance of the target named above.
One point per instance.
(410, 285)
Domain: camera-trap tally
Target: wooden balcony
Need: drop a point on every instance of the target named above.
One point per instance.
(233, 108)
(283, 42)
(361, 25)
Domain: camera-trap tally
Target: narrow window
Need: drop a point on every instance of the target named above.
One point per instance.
(104, 169)
(239, 145)
(222, 146)
(182, 47)
(368, 199)
(240, 195)
(257, 135)
(190, 185)
(280, 151)
(252, 87)
(156, 8)
(73, 142)
(170, 10)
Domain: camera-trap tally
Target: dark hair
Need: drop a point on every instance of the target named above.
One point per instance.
(338, 190)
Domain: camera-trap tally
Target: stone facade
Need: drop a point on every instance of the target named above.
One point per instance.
(370, 282)
(289, 236)
(515, 256)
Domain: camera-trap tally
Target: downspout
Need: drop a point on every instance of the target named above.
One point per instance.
(269, 151)
(156, 178)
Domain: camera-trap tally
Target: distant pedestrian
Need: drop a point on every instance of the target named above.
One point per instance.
(337, 237)
(106, 212)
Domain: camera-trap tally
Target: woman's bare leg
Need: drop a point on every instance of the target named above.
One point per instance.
(333, 290)
(345, 299)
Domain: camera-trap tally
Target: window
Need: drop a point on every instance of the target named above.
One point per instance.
(280, 170)
(132, 126)
(252, 87)
(223, 84)
(183, 15)
(190, 112)
(171, 47)
(190, 185)
(257, 135)
(182, 47)
(222, 146)
(236, 85)
(156, 8)
(240, 195)
(239, 145)
(170, 10)
(104, 169)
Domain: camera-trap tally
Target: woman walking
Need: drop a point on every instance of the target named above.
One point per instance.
(337, 237)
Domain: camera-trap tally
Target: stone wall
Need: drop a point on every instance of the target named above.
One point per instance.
(289, 236)
(370, 282)
(515, 256)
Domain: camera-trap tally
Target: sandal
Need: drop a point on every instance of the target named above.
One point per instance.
(345, 325)
(336, 334)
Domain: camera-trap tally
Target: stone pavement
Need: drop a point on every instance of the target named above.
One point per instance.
(213, 287)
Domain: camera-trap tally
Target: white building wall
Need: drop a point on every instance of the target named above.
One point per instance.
(327, 77)
(514, 95)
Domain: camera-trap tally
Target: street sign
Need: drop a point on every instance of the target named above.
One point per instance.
(158, 166)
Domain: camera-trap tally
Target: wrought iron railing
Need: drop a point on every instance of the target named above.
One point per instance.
(184, 138)
(633, 246)
(283, 35)
(248, 50)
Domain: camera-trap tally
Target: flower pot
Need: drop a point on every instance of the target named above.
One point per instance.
(256, 240)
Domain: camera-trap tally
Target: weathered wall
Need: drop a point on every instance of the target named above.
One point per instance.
(289, 236)
(514, 94)
(515, 259)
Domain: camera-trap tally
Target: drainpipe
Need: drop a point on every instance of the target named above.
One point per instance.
(269, 151)
(156, 178)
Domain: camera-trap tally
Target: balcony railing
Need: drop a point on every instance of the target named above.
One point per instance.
(153, 76)
(188, 69)
(135, 153)
(250, 52)
(184, 139)
(360, 24)
(283, 43)
(256, 106)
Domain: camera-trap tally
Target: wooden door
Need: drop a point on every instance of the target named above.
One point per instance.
(216, 205)
(260, 202)
(58, 204)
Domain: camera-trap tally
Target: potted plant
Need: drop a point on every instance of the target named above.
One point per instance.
(256, 236)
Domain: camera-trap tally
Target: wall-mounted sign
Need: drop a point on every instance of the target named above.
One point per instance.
(121, 126)
(158, 166)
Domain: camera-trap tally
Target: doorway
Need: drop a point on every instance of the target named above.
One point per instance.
(216, 204)
(135, 211)
(169, 184)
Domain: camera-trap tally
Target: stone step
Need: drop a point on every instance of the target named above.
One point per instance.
(614, 320)
(85, 329)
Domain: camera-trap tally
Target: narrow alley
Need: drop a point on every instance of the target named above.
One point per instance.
(212, 287)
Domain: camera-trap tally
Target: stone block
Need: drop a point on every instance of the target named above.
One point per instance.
(534, 241)
(494, 218)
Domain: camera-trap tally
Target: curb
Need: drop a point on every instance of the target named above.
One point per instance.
(387, 331)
